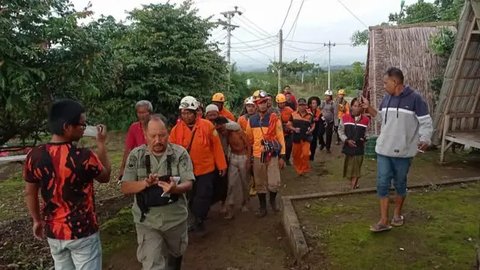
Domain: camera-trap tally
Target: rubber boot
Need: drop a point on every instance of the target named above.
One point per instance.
(174, 263)
(262, 197)
(273, 204)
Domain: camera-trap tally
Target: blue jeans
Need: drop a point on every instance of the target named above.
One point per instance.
(392, 168)
(81, 254)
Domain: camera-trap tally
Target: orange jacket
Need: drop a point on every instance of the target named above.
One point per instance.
(342, 108)
(226, 113)
(285, 115)
(206, 148)
(243, 121)
(269, 127)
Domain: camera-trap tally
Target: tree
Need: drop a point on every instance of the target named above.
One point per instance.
(440, 10)
(42, 53)
(167, 56)
(360, 38)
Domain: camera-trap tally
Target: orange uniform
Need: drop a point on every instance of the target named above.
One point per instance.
(206, 148)
(267, 127)
(243, 121)
(285, 115)
(226, 113)
(301, 141)
(343, 109)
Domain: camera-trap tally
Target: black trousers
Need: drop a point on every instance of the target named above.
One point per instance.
(288, 146)
(313, 143)
(202, 195)
(328, 132)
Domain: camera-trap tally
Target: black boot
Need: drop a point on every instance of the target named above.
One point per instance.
(174, 263)
(273, 204)
(262, 197)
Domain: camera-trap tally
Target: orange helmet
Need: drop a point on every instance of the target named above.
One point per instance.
(281, 98)
(218, 97)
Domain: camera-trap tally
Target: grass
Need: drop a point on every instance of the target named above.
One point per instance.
(12, 194)
(441, 230)
(117, 232)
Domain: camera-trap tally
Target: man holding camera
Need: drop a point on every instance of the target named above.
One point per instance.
(159, 174)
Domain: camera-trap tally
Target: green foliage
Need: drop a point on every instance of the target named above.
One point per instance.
(167, 56)
(442, 43)
(360, 38)
(439, 10)
(161, 54)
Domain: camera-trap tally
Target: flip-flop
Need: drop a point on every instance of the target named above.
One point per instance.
(378, 227)
(397, 222)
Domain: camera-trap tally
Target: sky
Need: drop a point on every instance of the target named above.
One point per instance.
(255, 43)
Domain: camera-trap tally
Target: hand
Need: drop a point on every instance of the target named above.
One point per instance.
(325, 124)
(297, 130)
(151, 180)
(351, 143)
(38, 230)
(168, 187)
(281, 163)
(364, 103)
(222, 173)
(101, 133)
(422, 146)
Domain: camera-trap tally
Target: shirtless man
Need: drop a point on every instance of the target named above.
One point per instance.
(239, 161)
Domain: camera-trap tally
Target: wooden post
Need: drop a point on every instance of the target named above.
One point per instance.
(446, 125)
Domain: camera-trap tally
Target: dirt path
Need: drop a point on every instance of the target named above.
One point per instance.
(245, 242)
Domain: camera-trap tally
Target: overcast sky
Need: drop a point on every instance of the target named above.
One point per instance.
(255, 42)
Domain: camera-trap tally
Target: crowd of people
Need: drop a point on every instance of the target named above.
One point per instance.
(209, 156)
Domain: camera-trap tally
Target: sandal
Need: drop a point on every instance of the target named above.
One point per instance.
(379, 227)
(397, 222)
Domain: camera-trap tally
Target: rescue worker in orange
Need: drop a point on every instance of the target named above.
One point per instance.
(343, 108)
(302, 124)
(265, 134)
(250, 109)
(203, 144)
(219, 100)
(285, 115)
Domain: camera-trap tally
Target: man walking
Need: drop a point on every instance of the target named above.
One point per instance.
(160, 207)
(406, 128)
(265, 134)
(64, 174)
(202, 142)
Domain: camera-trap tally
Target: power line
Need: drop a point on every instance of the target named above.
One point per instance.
(255, 49)
(353, 14)
(251, 58)
(314, 42)
(296, 19)
(254, 24)
(259, 36)
(286, 15)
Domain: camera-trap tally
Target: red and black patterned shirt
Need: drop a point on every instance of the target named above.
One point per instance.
(65, 175)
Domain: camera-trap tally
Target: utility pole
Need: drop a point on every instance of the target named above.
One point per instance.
(229, 27)
(330, 45)
(280, 48)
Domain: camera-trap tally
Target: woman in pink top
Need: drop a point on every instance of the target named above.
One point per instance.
(135, 136)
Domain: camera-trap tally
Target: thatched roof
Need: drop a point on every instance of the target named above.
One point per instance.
(460, 93)
(405, 47)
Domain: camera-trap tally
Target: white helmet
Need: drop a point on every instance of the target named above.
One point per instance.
(249, 100)
(189, 103)
(328, 93)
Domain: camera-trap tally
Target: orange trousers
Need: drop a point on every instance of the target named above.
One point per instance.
(301, 157)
